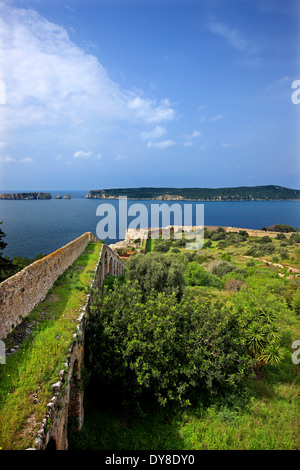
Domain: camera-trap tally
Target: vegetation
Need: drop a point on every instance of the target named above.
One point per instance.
(157, 273)
(210, 368)
(165, 345)
(239, 193)
(188, 350)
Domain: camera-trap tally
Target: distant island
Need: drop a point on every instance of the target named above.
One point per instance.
(241, 193)
(29, 196)
(26, 196)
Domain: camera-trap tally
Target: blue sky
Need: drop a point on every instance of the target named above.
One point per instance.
(128, 93)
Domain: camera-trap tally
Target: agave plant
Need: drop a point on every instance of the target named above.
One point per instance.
(272, 354)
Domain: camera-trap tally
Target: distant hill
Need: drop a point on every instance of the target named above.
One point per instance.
(18, 196)
(241, 193)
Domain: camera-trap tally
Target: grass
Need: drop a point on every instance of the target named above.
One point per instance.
(30, 371)
(150, 245)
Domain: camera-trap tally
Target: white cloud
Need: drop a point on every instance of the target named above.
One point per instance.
(227, 145)
(159, 131)
(216, 118)
(213, 118)
(7, 159)
(193, 135)
(162, 144)
(188, 143)
(236, 40)
(51, 81)
(82, 154)
(149, 111)
(232, 36)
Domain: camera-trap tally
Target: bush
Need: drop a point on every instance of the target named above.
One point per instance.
(111, 281)
(281, 228)
(296, 302)
(219, 235)
(291, 290)
(175, 350)
(261, 249)
(197, 276)
(160, 272)
(222, 268)
(284, 254)
(251, 263)
(244, 234)
(265, 239)
(162, 246)
(226, 257)
(258, 314)
(234, 285)
(281, 236)
(295, 237)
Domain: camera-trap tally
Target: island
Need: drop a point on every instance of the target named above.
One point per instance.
(242, 193)
(25, 196)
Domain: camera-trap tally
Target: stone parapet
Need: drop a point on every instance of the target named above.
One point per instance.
(19, 294)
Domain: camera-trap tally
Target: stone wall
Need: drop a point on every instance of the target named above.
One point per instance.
(68, 391)
(20, 293)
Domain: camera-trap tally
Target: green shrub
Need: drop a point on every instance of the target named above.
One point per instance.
(222, 268)
(296, 302)
(282, 228)
(244, 234)
(197, 276)
(251, 263)
(281, 236)
(162, 246)
(175, 350)
(226, 257)
(295, 237)
(266, 248)
(284, 254)
(258, 314)
(161, 272)
(219, 235)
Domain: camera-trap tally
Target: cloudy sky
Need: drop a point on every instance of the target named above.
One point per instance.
(127, 93)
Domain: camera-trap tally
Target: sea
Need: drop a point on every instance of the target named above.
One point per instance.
(35, 227)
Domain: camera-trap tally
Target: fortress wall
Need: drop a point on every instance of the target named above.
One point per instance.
(154, 232)
(68, 399)
(20, 293)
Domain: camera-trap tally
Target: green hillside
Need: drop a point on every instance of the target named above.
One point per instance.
(242, 193)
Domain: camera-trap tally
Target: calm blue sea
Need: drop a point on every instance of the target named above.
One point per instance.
(34, 227)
